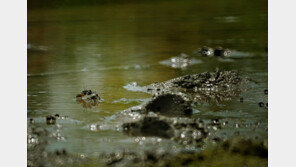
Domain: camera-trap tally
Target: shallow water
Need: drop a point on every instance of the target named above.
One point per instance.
(107, 47)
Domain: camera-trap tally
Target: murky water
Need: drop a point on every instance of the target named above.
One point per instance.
(107, 47)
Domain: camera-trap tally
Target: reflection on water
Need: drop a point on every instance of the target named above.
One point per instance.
(109, 46)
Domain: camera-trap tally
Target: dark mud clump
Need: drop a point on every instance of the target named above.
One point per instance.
(217, 86)
(242, 152)
(149, 126)
(169, 104)
(130, 158)
(246, 147)
(182, 130)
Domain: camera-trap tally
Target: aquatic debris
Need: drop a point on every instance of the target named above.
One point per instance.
(88, 98)
(181, 61)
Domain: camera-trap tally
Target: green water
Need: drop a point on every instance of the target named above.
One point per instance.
(105, 47)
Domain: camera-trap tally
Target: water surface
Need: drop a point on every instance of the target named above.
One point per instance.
(108, 46)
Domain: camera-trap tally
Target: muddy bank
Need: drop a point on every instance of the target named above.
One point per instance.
(242, 152)
(167, 117)
(37, 140)
(182, 130)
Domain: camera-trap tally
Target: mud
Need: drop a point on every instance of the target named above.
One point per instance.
(168, 116)
(182, 130)
(243, 151)
(37, 140)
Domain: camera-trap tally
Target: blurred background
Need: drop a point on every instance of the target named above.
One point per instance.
(105, 45)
